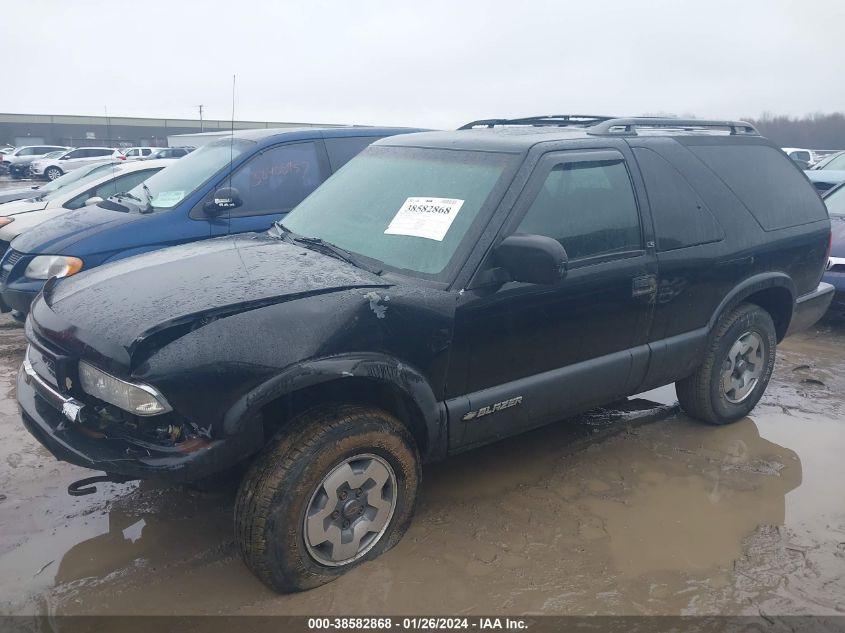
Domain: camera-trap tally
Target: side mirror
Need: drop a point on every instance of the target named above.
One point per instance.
(533, 259)
(93, 200)
(225, 198)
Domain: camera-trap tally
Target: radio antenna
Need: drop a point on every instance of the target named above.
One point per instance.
(232, 136)
(231, 156)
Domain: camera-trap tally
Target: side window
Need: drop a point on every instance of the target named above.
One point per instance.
(680, 216)
(146, 152)
(101, 152)
(117, 185)
(77, 153)
(131, 152)
(766, 181)
(589, 207)
(277, 179)
(342, 150)
(27, 151)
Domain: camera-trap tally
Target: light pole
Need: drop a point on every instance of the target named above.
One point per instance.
(202, 129)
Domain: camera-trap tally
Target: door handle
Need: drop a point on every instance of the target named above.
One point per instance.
(644, 286)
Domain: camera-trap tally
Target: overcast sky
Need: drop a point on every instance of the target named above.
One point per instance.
(426, 63)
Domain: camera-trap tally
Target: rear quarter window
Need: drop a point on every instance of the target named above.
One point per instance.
(681, 218)
(772, 189)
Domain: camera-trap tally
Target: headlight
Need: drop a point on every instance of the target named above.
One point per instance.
(46, 266)
(134, 398)
(4, 221)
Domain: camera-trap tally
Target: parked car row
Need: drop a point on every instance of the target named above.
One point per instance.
(51, 161)
(376, 298)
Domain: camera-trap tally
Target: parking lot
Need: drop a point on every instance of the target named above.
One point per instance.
(605, 514)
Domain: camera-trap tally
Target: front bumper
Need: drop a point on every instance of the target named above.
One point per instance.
(810, 307)
(836, 277)
(19, 170)
(19, 300)
(53, 419)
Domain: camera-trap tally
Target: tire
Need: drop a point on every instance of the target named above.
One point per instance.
(52, 173)
(287, 483)
(736, 368)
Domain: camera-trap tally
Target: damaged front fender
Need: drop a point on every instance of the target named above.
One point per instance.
(428, 416)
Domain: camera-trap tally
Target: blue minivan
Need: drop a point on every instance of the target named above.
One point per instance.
(238, 183)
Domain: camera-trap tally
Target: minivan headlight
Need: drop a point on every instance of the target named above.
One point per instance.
(46, 266)
(135, 398)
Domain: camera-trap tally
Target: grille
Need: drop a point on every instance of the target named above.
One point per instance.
(43, 364)
(8, 262)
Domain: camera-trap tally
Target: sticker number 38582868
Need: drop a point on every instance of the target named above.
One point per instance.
(425, 217)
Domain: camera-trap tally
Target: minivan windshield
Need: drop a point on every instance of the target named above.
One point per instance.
(406, 207)
(835, 202)
(171, 185)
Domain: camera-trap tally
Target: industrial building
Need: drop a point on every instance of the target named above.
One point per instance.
(87, 131)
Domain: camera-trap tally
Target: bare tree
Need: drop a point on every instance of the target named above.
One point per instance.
(813, 131)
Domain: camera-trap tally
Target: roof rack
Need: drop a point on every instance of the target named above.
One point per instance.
(611, 127)
(553, 120)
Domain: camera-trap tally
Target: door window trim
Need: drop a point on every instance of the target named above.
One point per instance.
(197, 212)
(541, 172)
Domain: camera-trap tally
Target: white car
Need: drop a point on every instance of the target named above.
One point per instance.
(26, 152)
(137, 153)
(803, 157)
(52, 168)
(98, 185)
(18, 160)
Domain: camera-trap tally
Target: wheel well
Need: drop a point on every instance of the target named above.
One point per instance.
(777, 301)
(349, 390)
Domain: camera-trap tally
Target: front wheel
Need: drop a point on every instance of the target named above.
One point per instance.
(336, 489)
(52, 173)
(736, 368)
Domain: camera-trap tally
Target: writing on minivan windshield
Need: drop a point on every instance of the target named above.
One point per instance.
(406, 207)
(170, 186)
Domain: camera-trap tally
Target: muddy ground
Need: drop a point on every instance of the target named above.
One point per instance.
(668, 517)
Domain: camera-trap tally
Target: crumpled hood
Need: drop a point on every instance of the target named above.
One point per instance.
(62, 232)
(132, 298)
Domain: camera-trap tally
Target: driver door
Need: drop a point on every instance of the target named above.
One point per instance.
(270, 183)
(550, 350)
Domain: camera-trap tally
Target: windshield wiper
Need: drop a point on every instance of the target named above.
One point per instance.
(323, 246)
(126, 194)
(149, 196)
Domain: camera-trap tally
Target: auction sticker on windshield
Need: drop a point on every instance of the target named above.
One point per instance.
(167, 198)
(425, 217)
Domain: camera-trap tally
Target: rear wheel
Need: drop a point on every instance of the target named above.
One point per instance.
(52, 173)
(338, 488)
(736, 368)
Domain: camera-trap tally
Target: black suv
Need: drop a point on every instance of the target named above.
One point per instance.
(442, 290)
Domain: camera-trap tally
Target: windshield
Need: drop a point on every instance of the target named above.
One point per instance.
(408, 208)
(835, 162)
(835, 202)
(54, 154)
(81, 175)
(170, 186)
